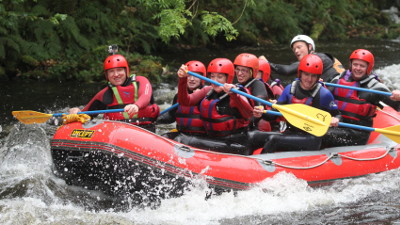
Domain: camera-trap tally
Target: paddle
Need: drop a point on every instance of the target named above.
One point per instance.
(304, 117)
(359, 89)
(392, 132)
(174, 106)
(30, 117)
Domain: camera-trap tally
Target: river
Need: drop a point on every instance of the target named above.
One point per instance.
(31, 194)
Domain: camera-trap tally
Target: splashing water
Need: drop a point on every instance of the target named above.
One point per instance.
(31, 194)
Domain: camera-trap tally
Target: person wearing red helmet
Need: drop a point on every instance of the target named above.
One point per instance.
(187, 118)
(358, 107)
(304, 90)
(246, 71)
(274, 90)
(226, 115)
(264, 74)
(303, 45)
(132, 93)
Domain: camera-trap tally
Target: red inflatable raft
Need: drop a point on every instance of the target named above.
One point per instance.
(110, 156)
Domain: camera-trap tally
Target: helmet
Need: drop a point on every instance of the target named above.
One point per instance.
(222, 65)
(265, 68)
(116, 61)
(197, 67)
(364, 55)
(247, 60)
(311, 64)
(304, 38)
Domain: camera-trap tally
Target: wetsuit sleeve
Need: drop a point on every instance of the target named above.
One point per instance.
(259, 90)
(184, 98)
(242, 104)
(288, 70)
(385, 99)
(145, 92)
(285, 97)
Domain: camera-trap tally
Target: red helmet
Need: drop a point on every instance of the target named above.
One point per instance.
(364, 55)
(116, 61)
(265, 68)
(196, 67)
(311, 64)
(222, 65)
(247, 60)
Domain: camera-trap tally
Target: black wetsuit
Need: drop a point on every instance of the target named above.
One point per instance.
(328, 73)
(294, 138)
(258, 89)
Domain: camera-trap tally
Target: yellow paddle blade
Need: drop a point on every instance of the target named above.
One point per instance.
(30, 117)
(307, 118)
(392, 132)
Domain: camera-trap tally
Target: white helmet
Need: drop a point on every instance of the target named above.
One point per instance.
(304, 38)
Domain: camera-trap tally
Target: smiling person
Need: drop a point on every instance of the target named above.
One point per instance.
(225, 115)
(358, 107)
(132, 93)
(305, 90)
(246, 71)
(187, 118)
(301, 46)
(274, 88)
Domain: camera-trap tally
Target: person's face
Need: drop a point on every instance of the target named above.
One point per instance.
(243, 74)
(300, 49)
(358, 69)
(308, 80)
(116, 76)
(193, 82)
(220, 78)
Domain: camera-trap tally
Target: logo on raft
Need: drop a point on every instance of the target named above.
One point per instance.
(82, 133)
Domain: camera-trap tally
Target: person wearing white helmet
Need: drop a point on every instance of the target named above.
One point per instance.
(303, 45)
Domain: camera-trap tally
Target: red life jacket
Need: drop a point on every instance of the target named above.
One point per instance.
(277, 88)
(188, 120)
(306, 101)
(350, 105)
(124, 95)
(216, 124)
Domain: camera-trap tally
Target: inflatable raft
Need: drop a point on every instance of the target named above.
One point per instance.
(117, 157)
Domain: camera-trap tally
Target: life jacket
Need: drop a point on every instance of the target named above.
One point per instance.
(124, 95)
(307, 100)
(217, 124)
(188, 120)
(350, 105)
(277, 88)
(337, 65)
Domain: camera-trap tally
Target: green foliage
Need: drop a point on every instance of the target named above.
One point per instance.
(67, 40)
(214, 24)
(172, 23)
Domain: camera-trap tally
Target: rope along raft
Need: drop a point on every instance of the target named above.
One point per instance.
(331, 156)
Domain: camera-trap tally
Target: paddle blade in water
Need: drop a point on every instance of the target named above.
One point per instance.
(30, 117)
(307, 118)
(392, 132)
